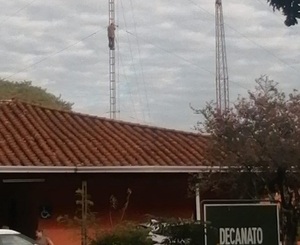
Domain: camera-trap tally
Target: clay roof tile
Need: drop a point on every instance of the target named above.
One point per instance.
(32, 135)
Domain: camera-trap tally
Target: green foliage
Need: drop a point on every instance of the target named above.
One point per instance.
(262, 131)
(114, 207)
(84, 217)
(290, 8)
(77, 219)
(258, 141)
(179, 231)
(191, 233)
(126, 234)
(25, 91)
(259, 136)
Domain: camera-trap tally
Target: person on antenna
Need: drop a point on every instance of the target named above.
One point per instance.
(111, 35)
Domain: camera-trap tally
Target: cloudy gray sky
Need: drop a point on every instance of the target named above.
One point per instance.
(166, 53)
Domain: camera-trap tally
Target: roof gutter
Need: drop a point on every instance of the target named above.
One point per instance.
(116, 169)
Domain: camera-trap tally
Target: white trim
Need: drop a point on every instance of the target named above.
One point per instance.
(239, 204)
(198, 201)
(205, 229)
(278, 224)
(124, 169)
(116, 169)
(23, 180)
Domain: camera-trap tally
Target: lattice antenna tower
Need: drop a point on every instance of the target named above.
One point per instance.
(222, 87)
(112, 66)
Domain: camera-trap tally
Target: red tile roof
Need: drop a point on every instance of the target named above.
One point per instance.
(32, 135)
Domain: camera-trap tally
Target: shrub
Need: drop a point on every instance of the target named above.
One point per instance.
(191, 232)
(181, 232)
(126, 234)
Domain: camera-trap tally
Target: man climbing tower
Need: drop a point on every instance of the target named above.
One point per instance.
(111, 35)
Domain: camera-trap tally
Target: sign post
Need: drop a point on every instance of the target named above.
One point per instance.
(242, 224)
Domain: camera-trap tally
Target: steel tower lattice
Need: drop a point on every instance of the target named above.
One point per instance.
(222, 86)
(112, 66)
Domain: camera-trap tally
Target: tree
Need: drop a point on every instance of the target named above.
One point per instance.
(114, 206)
(84, 217)
(26, 92)
(290, 8)
(258, 142)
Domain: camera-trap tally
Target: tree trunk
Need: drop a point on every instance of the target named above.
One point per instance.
(291, 226)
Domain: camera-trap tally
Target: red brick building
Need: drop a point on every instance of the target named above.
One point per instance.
(45, 155)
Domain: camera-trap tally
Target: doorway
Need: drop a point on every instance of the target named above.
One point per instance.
(18, 207)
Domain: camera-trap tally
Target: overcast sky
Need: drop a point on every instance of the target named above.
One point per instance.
(166, 53)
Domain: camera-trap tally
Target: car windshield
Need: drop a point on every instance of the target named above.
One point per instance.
(15, 239)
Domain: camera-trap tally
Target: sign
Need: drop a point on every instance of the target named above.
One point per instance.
(242, 224)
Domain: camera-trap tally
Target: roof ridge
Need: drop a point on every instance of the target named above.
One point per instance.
(24, 102)
(37, 135)
(71, 112)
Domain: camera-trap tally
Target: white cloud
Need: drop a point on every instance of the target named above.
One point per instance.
(166, 57)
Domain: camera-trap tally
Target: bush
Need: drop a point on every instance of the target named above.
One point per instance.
(127, 234)
(191, 233)
(181, 232)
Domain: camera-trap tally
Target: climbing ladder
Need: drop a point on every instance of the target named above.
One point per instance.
(112, 85)
(112, 66)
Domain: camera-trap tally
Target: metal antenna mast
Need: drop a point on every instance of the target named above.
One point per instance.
(112, 65)
(222, 87)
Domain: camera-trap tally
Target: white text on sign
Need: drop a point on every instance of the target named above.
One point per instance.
(241, 236)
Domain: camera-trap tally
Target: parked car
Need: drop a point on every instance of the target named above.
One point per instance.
(11, 237)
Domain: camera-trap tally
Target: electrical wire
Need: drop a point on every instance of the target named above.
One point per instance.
(266, 50)
(270, 10)
(126, 80)
(203, 9)
(137, 38)
(16, 12)
(53, 54)
(184, 59)
(141, 66)
(171, 53)
(244, 36)
(132, 60)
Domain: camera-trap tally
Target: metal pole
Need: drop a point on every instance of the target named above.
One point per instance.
(198, 209)
(84, 213)
(112, 67)
(222, 86)
(198, 202)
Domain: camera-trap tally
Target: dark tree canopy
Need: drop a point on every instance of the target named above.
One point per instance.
(25, 91)
(290, 8)
(262, 130)
(258, 140)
